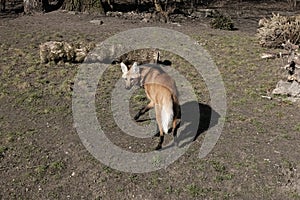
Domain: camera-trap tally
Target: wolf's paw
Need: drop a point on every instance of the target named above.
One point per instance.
(136, 117)
(158, 147)
(156, 135)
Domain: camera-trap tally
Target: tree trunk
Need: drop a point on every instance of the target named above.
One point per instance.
(91, 6)
(33, 6)
(159, 10)
(2, 2)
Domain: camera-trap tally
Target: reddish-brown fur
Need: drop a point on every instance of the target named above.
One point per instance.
(161, 90)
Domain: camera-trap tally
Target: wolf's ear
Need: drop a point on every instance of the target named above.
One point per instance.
(124, 68)
(135, 68)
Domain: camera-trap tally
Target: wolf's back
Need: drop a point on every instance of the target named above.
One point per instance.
(155, 75)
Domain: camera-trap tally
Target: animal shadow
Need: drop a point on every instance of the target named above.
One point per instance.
(192, 126)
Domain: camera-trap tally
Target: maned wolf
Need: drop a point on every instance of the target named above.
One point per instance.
(161, 90)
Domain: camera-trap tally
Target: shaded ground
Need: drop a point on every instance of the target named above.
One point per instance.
(42, 157)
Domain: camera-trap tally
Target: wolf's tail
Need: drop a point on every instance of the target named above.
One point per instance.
(167, 114)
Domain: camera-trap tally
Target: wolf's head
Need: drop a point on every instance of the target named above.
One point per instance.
(131, 76)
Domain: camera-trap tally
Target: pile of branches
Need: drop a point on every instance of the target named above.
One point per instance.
(278, 29)
(62, 51)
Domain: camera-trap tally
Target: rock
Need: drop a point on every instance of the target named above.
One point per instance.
(294, 89)
(282, 88)
(287, 88)
(295, 76)
(96, 22)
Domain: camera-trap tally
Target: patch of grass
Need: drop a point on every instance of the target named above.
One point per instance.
(31, 132)
(271, 105)
(219, 167)
(241, 165)
(107, 169)
(194, 190)
(58, 36)
(133, 178)
(139, 98)
(57, 165)
(197, 191)
(155, 180)
(54, 168)
(286, 136)
(227, 196)
(41, 169)
(297, 127)
(241, 101)
(241, 117)
(3, 149)
(13, 136)
(223, 174)
(260, 127)
(200, 166)
(287, 164)
(169, 189)
(65, 88)
(120, 189)
(287, 102)
(30, 97)
(223, 177)
(294, 195)
(53, 195)
(178, 191)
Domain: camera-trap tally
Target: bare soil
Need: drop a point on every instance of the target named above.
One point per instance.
(42, 156)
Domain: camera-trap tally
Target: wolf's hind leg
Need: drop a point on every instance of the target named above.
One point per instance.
(144, 110)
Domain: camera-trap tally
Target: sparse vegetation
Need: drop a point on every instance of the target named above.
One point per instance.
(197, 191)
(3, 149)
(223, 22)
(297, 127)
(42, 156)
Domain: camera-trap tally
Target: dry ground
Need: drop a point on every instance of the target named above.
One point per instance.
(42, 157)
